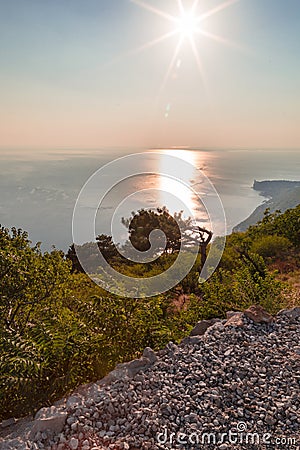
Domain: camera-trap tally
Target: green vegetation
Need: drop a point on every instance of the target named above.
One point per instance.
(58, 329)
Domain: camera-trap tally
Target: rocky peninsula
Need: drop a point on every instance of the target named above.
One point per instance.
(280, 195)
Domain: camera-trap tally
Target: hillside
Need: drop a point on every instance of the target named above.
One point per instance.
(58, 331)
(281, 195)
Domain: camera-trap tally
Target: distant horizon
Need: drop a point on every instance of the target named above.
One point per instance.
(145, 148)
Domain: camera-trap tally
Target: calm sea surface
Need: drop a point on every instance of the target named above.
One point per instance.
(39, 190)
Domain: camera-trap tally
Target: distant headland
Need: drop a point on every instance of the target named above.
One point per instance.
(281, 195)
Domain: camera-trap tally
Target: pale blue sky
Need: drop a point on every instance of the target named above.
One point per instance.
(69, 79)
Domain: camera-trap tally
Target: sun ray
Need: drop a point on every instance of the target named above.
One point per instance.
(153, 43)
(221, 40)
(216, 10)
(140, 49)
(195, 6)
(198, 61)
(154, 10)
(180, 6)
(173, 60)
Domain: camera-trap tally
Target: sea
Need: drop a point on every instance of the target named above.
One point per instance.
(39, 189)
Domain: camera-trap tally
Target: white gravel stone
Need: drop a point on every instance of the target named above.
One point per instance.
(74, 443)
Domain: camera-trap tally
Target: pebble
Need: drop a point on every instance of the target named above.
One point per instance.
(74, 443)
(229, 377)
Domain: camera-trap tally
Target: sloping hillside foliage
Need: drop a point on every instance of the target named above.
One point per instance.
(59, 330)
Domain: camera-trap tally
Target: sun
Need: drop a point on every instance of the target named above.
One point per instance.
(187, 24)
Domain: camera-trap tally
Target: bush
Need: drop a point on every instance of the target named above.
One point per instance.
(286, 225)
(238, 290)
(271, 246)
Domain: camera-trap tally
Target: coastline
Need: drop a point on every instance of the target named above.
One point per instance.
(278, 195)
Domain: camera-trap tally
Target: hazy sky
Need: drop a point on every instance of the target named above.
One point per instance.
(70, 77)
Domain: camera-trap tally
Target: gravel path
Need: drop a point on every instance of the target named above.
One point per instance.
(235, 387)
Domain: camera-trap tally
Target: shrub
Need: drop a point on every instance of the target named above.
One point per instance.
(271, 246)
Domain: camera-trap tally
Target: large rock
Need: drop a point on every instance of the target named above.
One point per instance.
(230, 314)
(130, 369)
(15, 444)
(190, 340)
(51, 419)
(235, 320)
(119, 373)
(292, 314)
(258, 314)
(201, 327)
(8, 422)
(150, 354)
(73, 401)
(137, 365)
